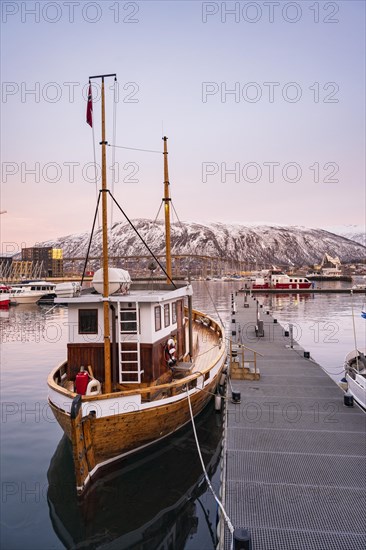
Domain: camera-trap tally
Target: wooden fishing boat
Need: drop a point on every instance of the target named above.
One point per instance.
(136, 354)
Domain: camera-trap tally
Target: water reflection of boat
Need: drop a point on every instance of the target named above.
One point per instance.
(4, 313)
(151, 503)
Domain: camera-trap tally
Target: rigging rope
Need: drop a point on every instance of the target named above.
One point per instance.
(134, 149)
(157, 215)
(226, 517)
(174, 210)
(205, 282)
(142, 240)
(90, 240)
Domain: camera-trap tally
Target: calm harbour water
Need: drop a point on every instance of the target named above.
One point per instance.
(157, 500)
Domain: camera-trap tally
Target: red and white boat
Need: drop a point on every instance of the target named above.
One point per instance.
(281, 281)
(4, 296)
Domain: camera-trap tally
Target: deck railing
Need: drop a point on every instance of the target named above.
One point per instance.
(247, 357)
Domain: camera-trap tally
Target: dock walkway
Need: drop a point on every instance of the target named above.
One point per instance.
(294, 455)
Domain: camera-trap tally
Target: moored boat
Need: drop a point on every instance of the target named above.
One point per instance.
(137, 357)
(4, 296)
(30, 292)
(281, 281)
(355, 367)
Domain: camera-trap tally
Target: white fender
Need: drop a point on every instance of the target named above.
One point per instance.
(93, 388)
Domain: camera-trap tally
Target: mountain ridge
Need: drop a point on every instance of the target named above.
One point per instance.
(262, 244)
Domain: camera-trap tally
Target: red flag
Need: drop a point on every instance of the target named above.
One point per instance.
(89, 107)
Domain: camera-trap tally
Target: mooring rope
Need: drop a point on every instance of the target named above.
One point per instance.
(221, 506)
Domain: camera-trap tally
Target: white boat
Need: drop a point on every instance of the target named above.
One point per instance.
(355, 367)
(67, 290)
(140, 360)
(30, 292)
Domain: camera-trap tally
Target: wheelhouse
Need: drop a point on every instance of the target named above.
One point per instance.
(141, 323)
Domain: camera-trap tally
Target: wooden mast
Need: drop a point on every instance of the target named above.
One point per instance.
(107, 337)
(167, 200)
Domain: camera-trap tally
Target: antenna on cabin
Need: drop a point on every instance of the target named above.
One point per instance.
(152, 267)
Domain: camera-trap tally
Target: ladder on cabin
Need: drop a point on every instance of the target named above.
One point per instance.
(129, 356)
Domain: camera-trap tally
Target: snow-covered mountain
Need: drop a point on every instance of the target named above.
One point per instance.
(262, 244)
(354, 232)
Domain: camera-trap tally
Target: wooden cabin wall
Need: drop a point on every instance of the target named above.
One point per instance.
(83, 355)
(153, 360)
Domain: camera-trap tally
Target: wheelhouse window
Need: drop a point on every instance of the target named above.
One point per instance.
(166, 315)
(128, 321)
(174, 312)
(157, 318)
(88, 321)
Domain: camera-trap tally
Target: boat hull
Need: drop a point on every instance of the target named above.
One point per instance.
(282, 286)
(27, 299)
(118, 435)
(113, 437)
(357, 388)
(98, 517)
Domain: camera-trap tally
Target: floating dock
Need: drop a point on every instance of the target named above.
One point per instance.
(294, 456)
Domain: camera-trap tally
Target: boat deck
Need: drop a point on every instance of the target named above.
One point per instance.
(205, 347)
(295, 458)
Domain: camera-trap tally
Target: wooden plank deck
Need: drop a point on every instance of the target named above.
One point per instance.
(295, 455)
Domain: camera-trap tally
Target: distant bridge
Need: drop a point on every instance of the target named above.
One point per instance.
(195, 264)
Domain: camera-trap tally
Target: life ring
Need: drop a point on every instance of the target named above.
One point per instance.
(170, 353)
(93, 387)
